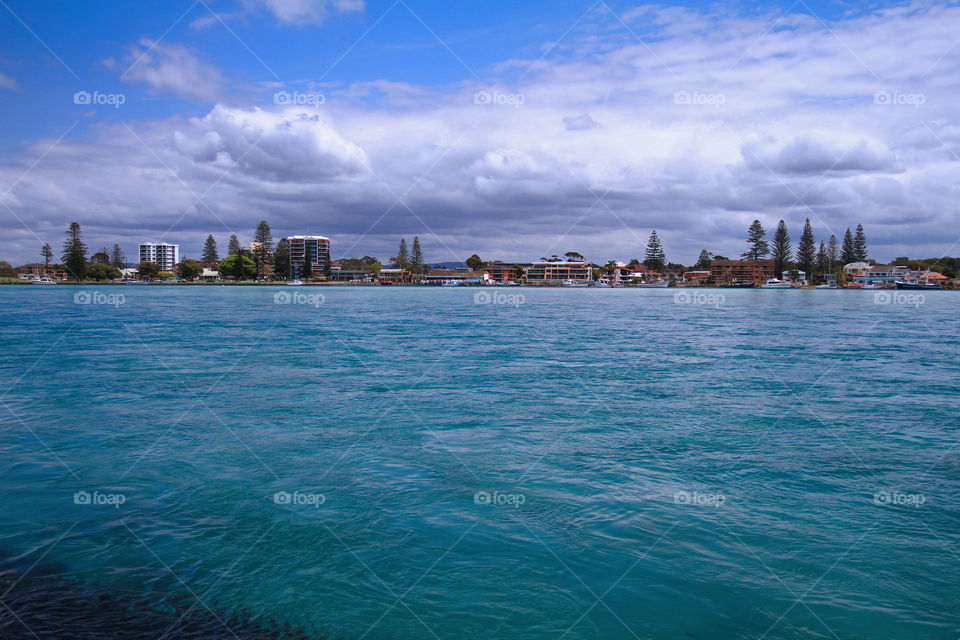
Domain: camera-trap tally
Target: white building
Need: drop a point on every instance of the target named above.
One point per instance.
(165, 255)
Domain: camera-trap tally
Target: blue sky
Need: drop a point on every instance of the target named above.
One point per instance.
(608, 119)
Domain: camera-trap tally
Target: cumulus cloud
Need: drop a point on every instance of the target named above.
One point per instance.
(309, 11)
(170, 68)
(715, 121)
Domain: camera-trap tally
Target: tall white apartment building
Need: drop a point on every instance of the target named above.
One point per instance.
(165, 255)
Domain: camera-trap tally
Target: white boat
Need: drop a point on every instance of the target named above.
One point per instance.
(44, 280)
(775, 283)
(826, 286)
(575, 283)
(602, 284)
(656, 284)
(451, 283)
(871, 286)
(296, 282)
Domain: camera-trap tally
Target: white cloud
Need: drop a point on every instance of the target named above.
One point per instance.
(716, 122)
(309, 11)
(170, 68)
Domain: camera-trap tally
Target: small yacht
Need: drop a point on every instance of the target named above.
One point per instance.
(296, 282)
(574, 283)
(451, 283)
(826, 286)
(44, 280)
(656, 284)
(603, 284)
(775, 283)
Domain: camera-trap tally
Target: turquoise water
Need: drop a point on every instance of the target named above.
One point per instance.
(777, 464)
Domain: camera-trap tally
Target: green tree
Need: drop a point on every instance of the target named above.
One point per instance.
(281, 260)
(47, 252)
(833, 253)
(210, 250)
(573, 256)
(7, 270)
(416, 259)
(117, 258)
(373, 267)
(148, 270)
(757, 242)
(190, 269)
(74, 256)
(847, 253)
(654, 256)
(233, 245)
(860, 244)
(264, 242)
(806, 249)
(704, 261)
(101, 257)
(781, 249)
(101, 271)
(823, 262)
(402, 259)
(238, 267)
(307, 272)
(475, 263)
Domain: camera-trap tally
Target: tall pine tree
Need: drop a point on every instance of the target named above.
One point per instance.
(781, 250)
(806, 250)
(210, 250)
(833, 253)
(74, 256)
(47, 252)
(402, 259)
(117, 258)
(416, 258)
(264, 243)
(860, 244)
(704, 261)
(823, 262)
(757, 241)
(654, 257)
(233, 245)
(847, 253)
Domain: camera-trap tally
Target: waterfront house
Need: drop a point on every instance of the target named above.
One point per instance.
(728, 271)
(34, 270)
(877, 274)
(209, 275)
(696, 277)
(500, 272)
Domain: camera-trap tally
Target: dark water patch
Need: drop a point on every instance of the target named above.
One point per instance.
(49, 607)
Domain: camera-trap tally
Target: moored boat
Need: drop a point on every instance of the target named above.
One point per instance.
(904, 284)
(776, 283)
(44, 280)
(574, 283)
(656, 284)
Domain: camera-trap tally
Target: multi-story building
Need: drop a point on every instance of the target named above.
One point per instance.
(165, 255)
(728, 271)
(548, 272)
(319, 250)
(500, 272)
